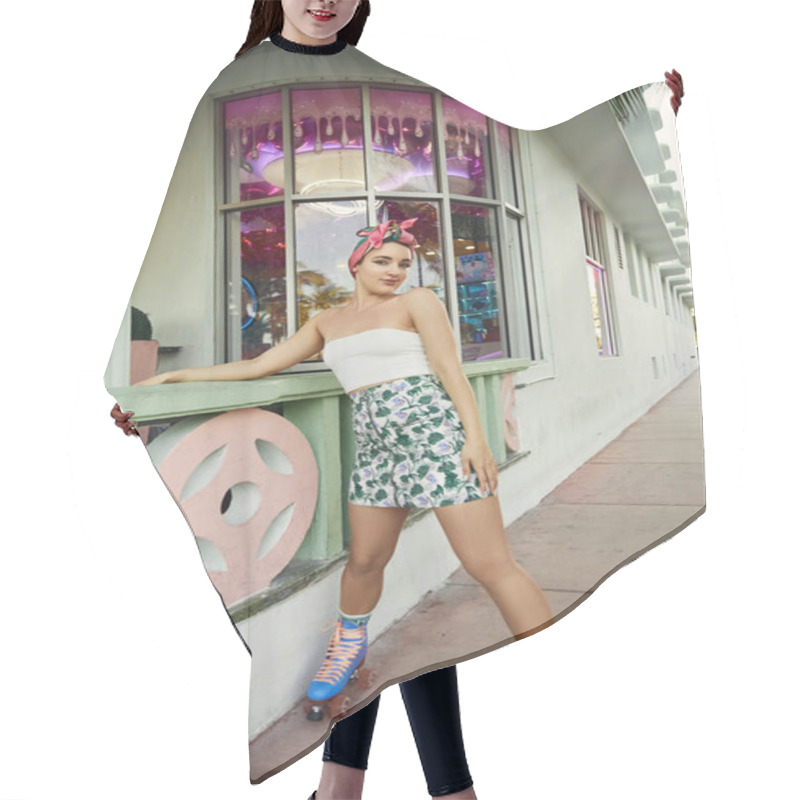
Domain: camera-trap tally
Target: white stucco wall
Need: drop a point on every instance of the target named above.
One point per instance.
(586, 400)
(176, 284)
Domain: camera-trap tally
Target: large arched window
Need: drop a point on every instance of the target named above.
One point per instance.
(306, 167)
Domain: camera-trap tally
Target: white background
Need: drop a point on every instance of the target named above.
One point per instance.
(121, 676)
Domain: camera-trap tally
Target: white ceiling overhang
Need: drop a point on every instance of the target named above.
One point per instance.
(601, 155)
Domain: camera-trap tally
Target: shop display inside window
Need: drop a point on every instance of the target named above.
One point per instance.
(478, 308)
(316, 143)
(258, 308)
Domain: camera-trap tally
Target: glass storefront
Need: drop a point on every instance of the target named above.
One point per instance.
(465, 134)
(323, 242)
(260, 257)
(403, 156)
(428, 270)
(428, 157)
(253, 142)
(328, 135)
(480, 319)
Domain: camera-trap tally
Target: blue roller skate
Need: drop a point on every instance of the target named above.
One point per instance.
(346, 651)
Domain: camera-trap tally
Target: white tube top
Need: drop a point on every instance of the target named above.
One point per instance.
(376, 356)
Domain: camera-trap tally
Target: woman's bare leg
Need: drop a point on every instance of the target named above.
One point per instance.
(476, 533)
(373, 537)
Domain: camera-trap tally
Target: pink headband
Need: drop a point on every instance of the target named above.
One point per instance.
(376, 236)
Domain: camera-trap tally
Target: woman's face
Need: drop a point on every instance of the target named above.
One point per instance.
(316, 22)
(384, 271)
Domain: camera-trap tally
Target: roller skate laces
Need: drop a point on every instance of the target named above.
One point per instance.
(346, 651)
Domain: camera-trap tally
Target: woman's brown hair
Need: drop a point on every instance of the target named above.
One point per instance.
(266, 19)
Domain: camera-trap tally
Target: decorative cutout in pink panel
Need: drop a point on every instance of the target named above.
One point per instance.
(510, 425)
(254, 516)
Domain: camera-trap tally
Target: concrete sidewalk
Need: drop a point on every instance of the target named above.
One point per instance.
(642, 488)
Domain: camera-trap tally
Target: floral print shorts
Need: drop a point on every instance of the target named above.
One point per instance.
(408, 444)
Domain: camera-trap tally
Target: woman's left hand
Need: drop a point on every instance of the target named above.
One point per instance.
(477, 455)
(122, 419)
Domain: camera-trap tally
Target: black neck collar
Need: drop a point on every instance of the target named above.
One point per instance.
(310, 49)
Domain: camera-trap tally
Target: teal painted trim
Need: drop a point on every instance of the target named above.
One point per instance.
(151, 403)
(318, 420)
(156, 403)
(289, 582)
(496, 367)
(348, 456)
(495, 426)
(479, 388)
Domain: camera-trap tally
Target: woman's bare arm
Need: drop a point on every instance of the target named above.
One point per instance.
(433, 325)
(302, 345)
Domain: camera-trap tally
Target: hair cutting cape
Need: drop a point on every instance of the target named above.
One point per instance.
(562, 259)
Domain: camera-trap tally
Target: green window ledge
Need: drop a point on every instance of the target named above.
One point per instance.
(161, 403)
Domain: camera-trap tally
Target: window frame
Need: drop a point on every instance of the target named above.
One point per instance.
(595, 238)
(227, 339)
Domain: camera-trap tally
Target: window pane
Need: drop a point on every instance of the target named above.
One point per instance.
(253, 144)
(328, 130)
(476, 278)
(595, 295)
(402, 141)
(257, 311)
(516, 294)
(428, 269)
(465, 140)
(587, 227)
(325, 237)
(601, 313)
(505, 168)
(593, 236)
(610, 346)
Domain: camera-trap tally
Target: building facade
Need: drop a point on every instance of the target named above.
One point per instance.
(560, 256)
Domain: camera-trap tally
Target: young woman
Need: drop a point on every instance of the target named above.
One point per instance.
(418, 436)
(396, 357)
(413, 324)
